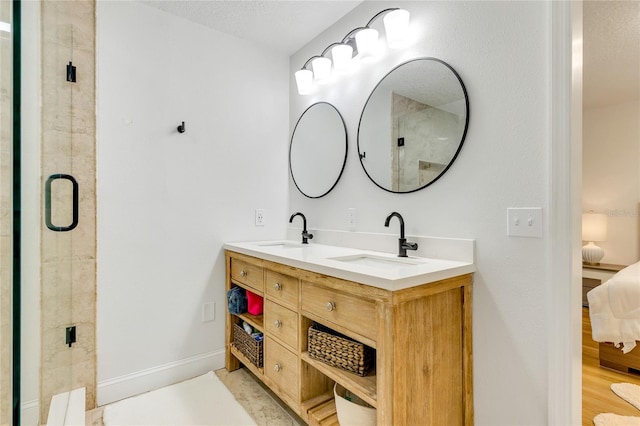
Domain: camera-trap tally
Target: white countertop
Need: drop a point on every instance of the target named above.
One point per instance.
(377, 269)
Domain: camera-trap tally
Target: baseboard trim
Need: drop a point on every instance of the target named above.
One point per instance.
(30, 414)
(138, 382)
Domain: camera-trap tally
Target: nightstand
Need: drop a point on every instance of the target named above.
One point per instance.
(594, 275)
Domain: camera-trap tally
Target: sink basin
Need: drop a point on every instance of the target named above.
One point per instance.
(281, 244)
(380, 261)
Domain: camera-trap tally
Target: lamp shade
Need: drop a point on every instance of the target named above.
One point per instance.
(304, 81)
(396, 27)
(594, 227)
(341, 54)
(321, 69)
(367, 43)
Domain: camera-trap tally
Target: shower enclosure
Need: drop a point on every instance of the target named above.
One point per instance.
(47, 197)
(6, 212)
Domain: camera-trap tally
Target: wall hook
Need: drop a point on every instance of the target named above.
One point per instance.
(181, 128)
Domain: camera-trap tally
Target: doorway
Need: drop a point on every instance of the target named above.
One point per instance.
(610, 169)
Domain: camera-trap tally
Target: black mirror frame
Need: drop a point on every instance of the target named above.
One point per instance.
(346, 150)
(462, 139)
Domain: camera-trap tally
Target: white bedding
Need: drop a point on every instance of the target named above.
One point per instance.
(614, 309)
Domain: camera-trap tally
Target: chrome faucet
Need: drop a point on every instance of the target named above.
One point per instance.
(403, 245)
(305, 235)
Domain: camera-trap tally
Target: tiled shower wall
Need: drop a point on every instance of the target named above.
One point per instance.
(68, 259)
(6, 255)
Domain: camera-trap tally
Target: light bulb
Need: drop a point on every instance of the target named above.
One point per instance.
(341, 55)
(304, 81)
(321, 69)
(367, 42)
(396, 27)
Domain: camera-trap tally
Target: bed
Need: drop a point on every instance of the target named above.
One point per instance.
(614, 310)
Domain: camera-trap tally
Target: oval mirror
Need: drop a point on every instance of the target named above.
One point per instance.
(413, 125)
(318, 150)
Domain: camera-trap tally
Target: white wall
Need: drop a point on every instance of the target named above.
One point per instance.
(611, 176)
(501, 51)
(168, 201)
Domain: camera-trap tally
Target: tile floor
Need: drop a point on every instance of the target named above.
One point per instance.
(259, 402)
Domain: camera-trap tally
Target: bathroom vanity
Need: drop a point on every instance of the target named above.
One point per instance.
(415, 313)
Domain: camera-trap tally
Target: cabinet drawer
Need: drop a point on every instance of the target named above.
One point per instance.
(281, 366)
(248, 274)
(281, 323)
(356, 314)
(282, 288)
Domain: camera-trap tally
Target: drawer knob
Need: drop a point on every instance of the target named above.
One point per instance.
(277, 323)
(330, 306)
(277, 286)
(277, 368)
(243, 273)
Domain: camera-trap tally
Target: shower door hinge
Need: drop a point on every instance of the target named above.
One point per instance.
(71, 72)
(71, 335)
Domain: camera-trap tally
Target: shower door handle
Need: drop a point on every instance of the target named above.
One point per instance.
(47, 203)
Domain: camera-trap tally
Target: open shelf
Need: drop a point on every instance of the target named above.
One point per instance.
(324, 412)
(364, 387)
(259, 371)
(246, 287)
(257, 321)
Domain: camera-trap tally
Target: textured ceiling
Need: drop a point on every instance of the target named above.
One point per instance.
(282, 25)
(611, 52)
(611, 34)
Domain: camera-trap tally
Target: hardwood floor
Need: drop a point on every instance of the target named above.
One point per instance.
(597, 396)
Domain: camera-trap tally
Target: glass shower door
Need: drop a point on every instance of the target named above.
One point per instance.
(67, 185)
(6, 213)
(54, 184)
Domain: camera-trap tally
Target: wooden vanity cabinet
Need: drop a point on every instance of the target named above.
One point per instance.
(421, 337)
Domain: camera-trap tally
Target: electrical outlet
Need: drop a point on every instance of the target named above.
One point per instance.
(208, 312)
(352, 219)
(260, 218)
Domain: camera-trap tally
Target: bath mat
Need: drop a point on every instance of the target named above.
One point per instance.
(609, 419)
(629, 392)
(203, 400)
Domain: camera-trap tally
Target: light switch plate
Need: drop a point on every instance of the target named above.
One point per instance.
(524, 222)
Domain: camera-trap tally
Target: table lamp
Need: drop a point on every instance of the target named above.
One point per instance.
(594, 229)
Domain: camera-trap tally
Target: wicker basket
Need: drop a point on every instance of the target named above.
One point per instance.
(339, 351)
(250, 347)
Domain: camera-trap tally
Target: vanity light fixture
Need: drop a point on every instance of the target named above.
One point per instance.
(304, 81)
(396, 26)
(321, 69)
(367, 42)
(342, 55)
(361, 42)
